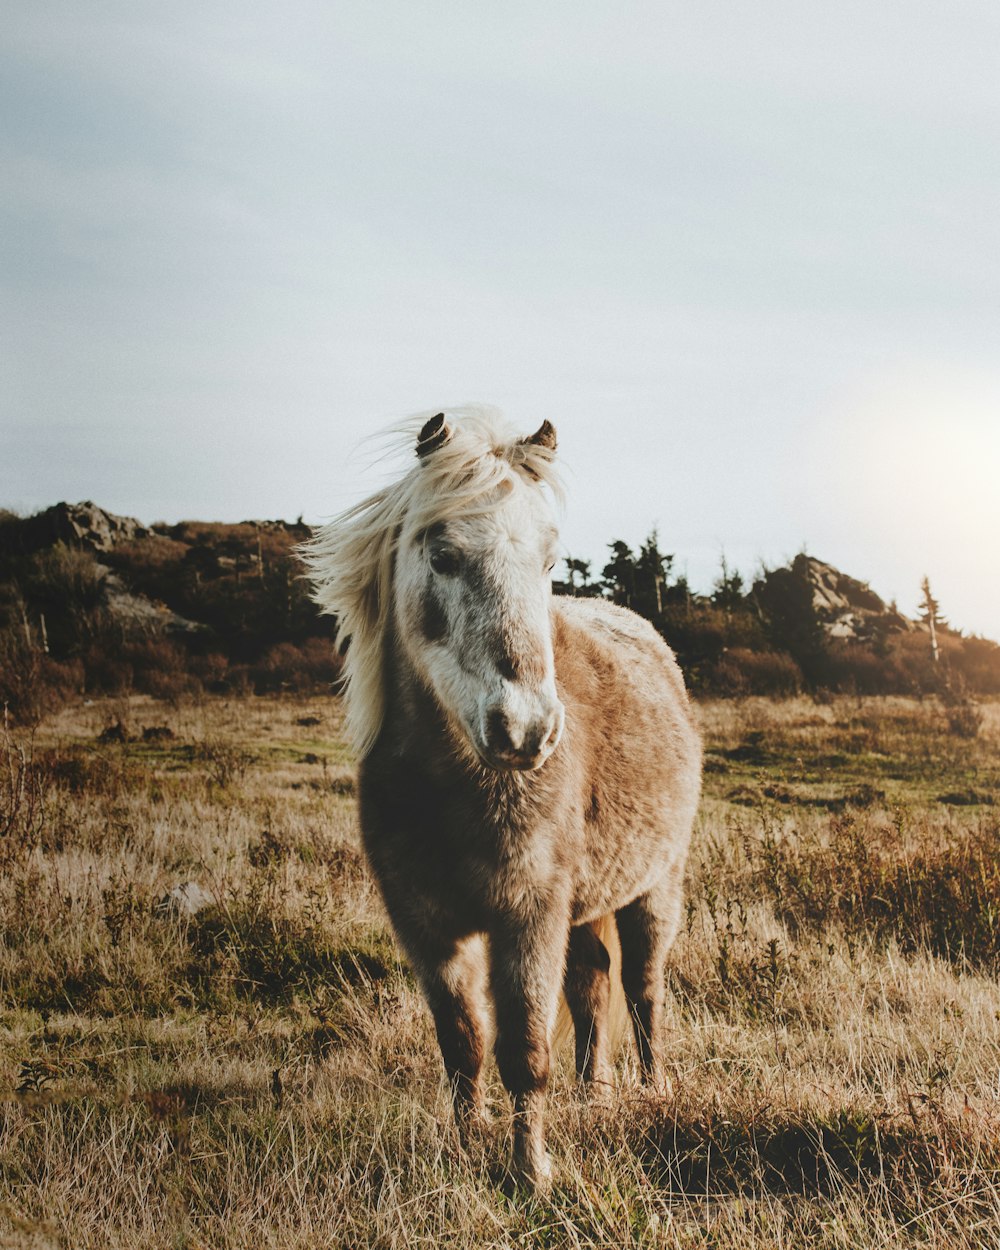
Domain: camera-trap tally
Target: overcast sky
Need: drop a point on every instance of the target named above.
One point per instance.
(745, 257)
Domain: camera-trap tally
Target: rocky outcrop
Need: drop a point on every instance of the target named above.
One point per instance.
(139, 614)
(80, 525)
(86, 527)
(846, 607)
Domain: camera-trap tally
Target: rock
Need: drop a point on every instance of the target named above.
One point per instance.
(846, 607)
(187, 899)
(138, 614)
(82, 525)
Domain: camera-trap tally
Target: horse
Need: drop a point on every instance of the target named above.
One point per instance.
(529, 765)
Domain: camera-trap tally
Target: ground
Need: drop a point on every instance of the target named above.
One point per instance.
(261, 1071)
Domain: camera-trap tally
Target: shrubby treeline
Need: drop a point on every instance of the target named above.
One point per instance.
(93, 603)
(801, 627)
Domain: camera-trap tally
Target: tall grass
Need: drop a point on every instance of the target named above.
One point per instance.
(260, 1069)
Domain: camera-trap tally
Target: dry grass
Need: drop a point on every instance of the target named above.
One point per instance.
(263, 1072)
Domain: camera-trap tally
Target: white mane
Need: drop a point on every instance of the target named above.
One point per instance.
(351, 559)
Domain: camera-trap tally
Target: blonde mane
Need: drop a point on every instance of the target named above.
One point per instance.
(351, 559)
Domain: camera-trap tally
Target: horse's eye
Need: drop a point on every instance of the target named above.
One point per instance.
(444, 561)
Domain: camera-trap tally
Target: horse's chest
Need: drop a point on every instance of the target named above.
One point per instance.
(470, 851)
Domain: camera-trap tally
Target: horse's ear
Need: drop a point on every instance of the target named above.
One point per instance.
(435, 434)
(544, 436)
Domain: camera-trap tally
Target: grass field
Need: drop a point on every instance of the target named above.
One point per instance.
(259, 1071)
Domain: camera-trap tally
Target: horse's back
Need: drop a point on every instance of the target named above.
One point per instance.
(632, 732)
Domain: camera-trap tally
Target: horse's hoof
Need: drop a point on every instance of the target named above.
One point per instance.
(536, 1176)
(474, 1128)
(599, 1091)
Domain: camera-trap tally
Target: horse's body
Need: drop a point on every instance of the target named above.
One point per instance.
(533, 768)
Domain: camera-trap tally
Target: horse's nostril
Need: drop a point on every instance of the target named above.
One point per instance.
(498, 733)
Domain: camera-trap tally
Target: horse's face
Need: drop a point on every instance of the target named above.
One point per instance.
(473, 599)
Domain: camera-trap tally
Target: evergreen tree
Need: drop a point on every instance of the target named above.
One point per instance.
(620, 574)
(786, 602)
(727, 593)
(574, 569)
(652, 575)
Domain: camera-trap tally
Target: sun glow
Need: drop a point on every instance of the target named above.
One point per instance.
(925, 452)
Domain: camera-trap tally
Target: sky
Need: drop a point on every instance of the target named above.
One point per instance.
(746, 258)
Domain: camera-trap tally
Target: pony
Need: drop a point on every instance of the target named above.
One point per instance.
(529, 765)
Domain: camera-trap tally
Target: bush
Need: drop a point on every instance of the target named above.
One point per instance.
(33, 684)
(212, 670)
(976, 661)
(943, 897)
(965, 719)
(741, 671)
(155, 666)
(854, 668)
(303, 667)
(160, 668)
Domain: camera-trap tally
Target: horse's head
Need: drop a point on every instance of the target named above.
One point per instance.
(472, 599)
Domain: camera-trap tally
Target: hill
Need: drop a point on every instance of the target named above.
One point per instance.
(92, 602)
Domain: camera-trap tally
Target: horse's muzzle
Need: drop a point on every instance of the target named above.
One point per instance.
(510, 745)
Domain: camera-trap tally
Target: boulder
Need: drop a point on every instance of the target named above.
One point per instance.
(81, 525)
(846, 607)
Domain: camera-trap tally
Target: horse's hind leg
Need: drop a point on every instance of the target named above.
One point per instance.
(587, 988)
(646, 930)
(453, 979)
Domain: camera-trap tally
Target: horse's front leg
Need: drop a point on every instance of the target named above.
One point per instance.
(452, 975)
(528, 955)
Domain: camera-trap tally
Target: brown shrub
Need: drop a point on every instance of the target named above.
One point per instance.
(942, 897)
(977, 662)
(302, 667)
(211, 670)
(964, 717)
(160, 668)
(855, 668)
(33, 684)
(741, 671)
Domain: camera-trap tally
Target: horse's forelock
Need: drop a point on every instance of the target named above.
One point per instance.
(463, 454)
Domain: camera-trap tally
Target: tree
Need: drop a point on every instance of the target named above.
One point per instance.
(930, 614)
(652, 570)
(619, 573)
(577, 568)
(787, 606)
(727, 592)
